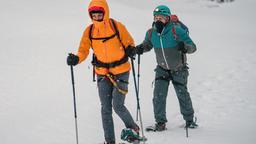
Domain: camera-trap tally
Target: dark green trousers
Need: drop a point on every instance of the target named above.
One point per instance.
(179, 80)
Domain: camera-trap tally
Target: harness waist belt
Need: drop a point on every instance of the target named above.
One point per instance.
(98, 63)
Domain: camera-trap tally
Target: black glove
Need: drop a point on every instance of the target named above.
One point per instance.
(72, 59)
(181, 47)
(139, 49)
(130, 51)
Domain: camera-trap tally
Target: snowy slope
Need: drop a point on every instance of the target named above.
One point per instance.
(36, 96)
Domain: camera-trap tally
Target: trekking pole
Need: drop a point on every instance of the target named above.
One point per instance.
(186, 131)
(74, 100)
(138, 81)
(187, 126)
(93, 74)
(93, 71)
(138, 103)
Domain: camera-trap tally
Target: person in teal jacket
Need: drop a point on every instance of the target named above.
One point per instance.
(171, 43)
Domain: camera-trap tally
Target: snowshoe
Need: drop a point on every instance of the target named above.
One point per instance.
(156, 127)
(111, 142)
(191, 124)
(131, 136)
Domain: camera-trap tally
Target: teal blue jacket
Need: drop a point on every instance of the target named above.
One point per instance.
(165, 45)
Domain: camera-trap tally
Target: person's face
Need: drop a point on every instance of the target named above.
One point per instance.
(97, 16)
(160, 18)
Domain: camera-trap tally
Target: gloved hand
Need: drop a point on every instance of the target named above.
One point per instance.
(130, 51)
(72, 59)
(181, 47)
(139, 49)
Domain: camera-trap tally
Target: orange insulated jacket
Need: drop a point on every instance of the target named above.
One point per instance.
(109, 51)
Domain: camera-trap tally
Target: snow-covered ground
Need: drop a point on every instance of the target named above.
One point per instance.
(36, 104)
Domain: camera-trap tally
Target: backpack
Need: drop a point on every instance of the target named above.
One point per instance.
(95, 61)
(176, 22)
(104, 39)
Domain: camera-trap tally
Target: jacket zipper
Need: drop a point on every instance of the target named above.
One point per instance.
(105, 46)
(162, 48)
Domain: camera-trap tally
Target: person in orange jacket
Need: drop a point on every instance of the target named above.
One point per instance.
(112, 45)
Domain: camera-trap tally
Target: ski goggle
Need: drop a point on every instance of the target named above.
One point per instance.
(158, 11)
(96, 9)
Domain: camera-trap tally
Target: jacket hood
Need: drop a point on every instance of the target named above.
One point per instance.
(100, 3)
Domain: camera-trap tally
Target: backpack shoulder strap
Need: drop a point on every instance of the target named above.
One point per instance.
(113, 24)
(93, 55)
(90, 32)
(174, 32)
(104, 39)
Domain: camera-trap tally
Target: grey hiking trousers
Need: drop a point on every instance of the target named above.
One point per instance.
(179, 81)
(111, 97)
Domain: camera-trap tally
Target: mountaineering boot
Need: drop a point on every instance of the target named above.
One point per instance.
(160, 126)
(137, 130)
(132, 135)
(129, 135)
(191, 124)
(110, 142)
